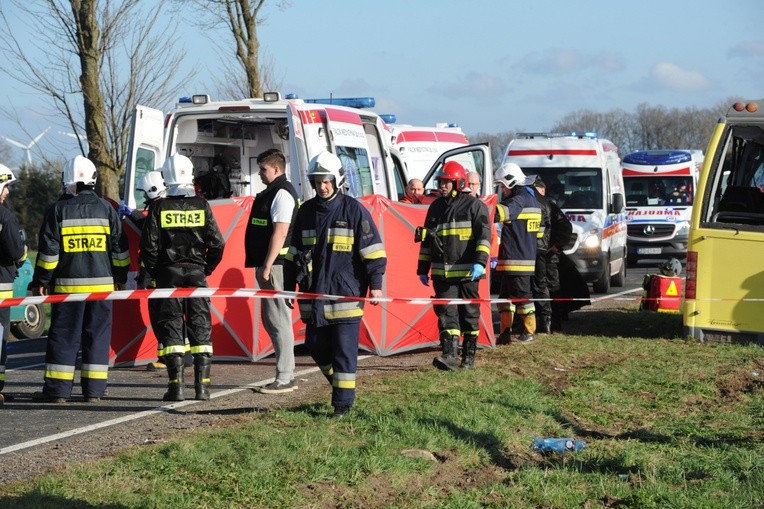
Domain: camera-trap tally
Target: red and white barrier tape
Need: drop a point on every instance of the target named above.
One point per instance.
(246, 293)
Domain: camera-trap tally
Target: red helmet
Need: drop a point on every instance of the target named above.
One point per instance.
(455, 172)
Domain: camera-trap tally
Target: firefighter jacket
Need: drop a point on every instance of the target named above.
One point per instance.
(561, 227)
(335, 250)
(259, 230)
(82, 247)
(457, 235)
(545, 227)
(521, 218)
(181, 231)
(12, 251)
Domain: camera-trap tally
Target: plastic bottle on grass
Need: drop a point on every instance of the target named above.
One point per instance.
(560, 445)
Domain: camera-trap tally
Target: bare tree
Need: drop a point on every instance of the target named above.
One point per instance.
(94, 60)
(241, 19)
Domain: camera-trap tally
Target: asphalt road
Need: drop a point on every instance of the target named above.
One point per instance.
(135, 393)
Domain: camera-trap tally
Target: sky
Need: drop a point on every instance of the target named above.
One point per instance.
(488, 66)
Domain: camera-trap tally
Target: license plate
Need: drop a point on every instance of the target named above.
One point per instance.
(648, 250)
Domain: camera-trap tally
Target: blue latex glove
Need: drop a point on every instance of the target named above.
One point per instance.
(124, 210)
(424, 279)
(477, 272)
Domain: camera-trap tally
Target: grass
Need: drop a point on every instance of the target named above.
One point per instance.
(668, 423)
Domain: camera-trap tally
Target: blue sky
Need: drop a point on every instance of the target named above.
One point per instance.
(494, 66)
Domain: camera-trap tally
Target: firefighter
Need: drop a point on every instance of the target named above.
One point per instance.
(456, 243)
(13, 253)
(521, 217)
(335, 249)
(181, 245)
(153, 188)
(82, 249)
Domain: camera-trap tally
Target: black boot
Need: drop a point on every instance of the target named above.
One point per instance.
(449, 345)
(175, 376)
(543, 324)
(202, 365)
(469, 347)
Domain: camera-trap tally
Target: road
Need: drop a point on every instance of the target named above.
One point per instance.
(135, 393)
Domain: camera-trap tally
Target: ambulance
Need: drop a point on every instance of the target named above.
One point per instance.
(724, 287)
(223, 140)
(582, 174)
(415, 149)
(659, 194)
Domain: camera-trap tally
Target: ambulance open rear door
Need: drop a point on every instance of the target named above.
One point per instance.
(146, 150)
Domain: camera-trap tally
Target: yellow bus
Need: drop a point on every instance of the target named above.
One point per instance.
(724, 294)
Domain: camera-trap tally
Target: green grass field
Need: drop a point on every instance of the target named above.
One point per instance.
(668, 423)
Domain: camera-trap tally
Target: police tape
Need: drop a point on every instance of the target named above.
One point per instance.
(248, 293)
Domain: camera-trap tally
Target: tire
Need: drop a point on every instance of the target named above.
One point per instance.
(619, 280)
(33, 324)
(602, 285)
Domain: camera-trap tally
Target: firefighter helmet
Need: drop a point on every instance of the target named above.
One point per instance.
(325, 165)
(672, 268)
(510, 175)
(454, 172)
(6, 177)
(152, 184)
(178, 170)
(79, 169)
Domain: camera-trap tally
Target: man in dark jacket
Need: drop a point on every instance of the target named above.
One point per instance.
(13, 252)
(455, 251)
(335, 250)
(266, 242)
(81, 250)
(181, 245)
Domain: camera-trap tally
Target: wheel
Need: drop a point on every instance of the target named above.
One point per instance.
(619, 280)
(602, 285)
(33, 324)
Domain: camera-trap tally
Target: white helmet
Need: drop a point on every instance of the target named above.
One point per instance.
(327, 164)
(152, 184)
(510, 175)
(178, 170)
(79, 169)
(6, 177)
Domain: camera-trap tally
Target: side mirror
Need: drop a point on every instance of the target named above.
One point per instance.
(618, 204)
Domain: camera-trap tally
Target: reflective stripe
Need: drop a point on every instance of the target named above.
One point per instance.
(171, 349)
(201, 349)
(327, 369)
(84, 223)
(283, 251)
(452, 332)
(451, 271)
(6, 294)
(59, 371)
(47, 262)
(6, 286)
(343, 380)
(373, 252)
(86, 230)
(121, 259)
(528, 266)
(471, 333)
(98, 371)
(308, 237)
(83, 288)
(340, 236)
(343, 310)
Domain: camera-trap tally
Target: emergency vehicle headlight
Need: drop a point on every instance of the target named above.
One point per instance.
(271, 97)
(592, 242)
(200, 99)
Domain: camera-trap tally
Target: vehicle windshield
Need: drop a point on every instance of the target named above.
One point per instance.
(658, 191)
(571, 188)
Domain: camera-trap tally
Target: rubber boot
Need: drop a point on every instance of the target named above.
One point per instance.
(469, 347)
(529, 329)
(202, 365)
(175, 376)
(505, 326)
(543, 324)
(449, 345)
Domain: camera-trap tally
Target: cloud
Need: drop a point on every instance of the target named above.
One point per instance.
(672, 77)
(472, 84)
(747, 49)
(566, 60)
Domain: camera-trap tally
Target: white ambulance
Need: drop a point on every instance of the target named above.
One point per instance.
(415, 149)
(223, 140)
(660, 187)
(582, 174)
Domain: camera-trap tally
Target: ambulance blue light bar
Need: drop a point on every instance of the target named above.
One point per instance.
(388, 118)
(653, 157)
(350, 102)
(195, 99)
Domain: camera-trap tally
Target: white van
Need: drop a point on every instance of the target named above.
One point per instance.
(660, 190)
(582, 174)
(415, 149)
